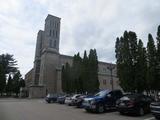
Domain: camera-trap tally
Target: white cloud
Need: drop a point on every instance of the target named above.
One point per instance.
(85, 24)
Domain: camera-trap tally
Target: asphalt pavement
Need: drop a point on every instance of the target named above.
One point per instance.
(38, 109)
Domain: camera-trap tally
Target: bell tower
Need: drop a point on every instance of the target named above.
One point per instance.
(52, 33)
(50, 57)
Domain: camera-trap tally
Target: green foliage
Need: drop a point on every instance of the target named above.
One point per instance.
(2, 79)
(16, 83)
(158, 60)
(151, 56)
(82, 76)
(138, 68)
(126, 50)
(7, 70)
(9, 86)
(8, 63)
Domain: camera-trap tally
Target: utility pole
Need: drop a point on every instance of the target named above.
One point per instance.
(110, 68)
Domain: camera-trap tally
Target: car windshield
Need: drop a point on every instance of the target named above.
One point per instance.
(51, 95)
(102, 93)
(132, 96)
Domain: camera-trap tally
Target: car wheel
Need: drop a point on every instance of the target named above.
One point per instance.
(100, 108)
(157, 117)
(141, 111)
(122, 113)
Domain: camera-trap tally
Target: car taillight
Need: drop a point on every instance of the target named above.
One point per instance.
(130, 103)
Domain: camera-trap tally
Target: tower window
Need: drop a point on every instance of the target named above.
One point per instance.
(104, 82)
(53, 33)
(50, 42)
(55, 44)
(56, 34)
(50, 33)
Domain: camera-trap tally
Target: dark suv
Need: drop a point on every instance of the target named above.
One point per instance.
(103, 100)
(134, 103)
(155, 108)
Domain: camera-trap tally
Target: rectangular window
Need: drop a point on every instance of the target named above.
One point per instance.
(104, 82)
(50, 33)
(56, 34)
(53, 33)
(55, 44)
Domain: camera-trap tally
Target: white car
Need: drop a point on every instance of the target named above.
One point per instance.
(69, 100)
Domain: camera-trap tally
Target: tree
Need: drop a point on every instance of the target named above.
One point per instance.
(9, 86)
(141, 68)
(82, 76)
(16, 85)
(22, 83)
(92, 82)
(151, 59)
(8, 63)
(158, 60)
(2, 79)
(126, 55)
(84, 71)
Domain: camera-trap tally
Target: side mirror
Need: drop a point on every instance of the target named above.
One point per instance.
(109, 95)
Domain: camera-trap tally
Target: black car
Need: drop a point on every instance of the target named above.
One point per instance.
(103, 100)
(51, 98)
(155, 109)
(138, 104)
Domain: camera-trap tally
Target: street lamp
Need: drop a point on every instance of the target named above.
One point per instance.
(110, 68)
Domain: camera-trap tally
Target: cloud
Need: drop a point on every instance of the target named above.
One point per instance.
(85, 24)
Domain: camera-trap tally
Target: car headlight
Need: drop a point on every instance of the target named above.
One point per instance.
(93, 102)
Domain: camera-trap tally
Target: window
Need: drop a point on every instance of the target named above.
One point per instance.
(50, 33)
(104, 82)
(55, 43)
(104, 69)
(53, 33)
(56, 34)
(50, 42)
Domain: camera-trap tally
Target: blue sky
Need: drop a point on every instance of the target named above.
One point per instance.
(85, 24)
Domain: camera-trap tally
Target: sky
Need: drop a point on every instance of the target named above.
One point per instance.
(85, 24)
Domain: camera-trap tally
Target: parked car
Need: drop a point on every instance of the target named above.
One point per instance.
(138, 104)
(70, 100)
(103, 100)
(155, 108)
(79, 100)
(51, 98)
(61, 99)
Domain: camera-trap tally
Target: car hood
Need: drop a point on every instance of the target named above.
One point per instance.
(92, 98)
(155, 103)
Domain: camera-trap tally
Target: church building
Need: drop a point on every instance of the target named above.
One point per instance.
(45, 76)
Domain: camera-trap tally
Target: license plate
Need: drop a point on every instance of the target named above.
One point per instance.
(85, 104)
(122, 104)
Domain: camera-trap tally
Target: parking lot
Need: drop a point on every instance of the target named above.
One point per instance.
(38, 109)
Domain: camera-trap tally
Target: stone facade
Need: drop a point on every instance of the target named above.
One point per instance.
(45, 77)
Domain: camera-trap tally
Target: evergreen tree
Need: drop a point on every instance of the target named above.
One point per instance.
(151, 58)
(9, 86)
(22, 83)
(126, 55)
(141, 68)
(16, 85)
(92, 82)
(158, 60)
(84, 71)
(8, 63)
(2, 79)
